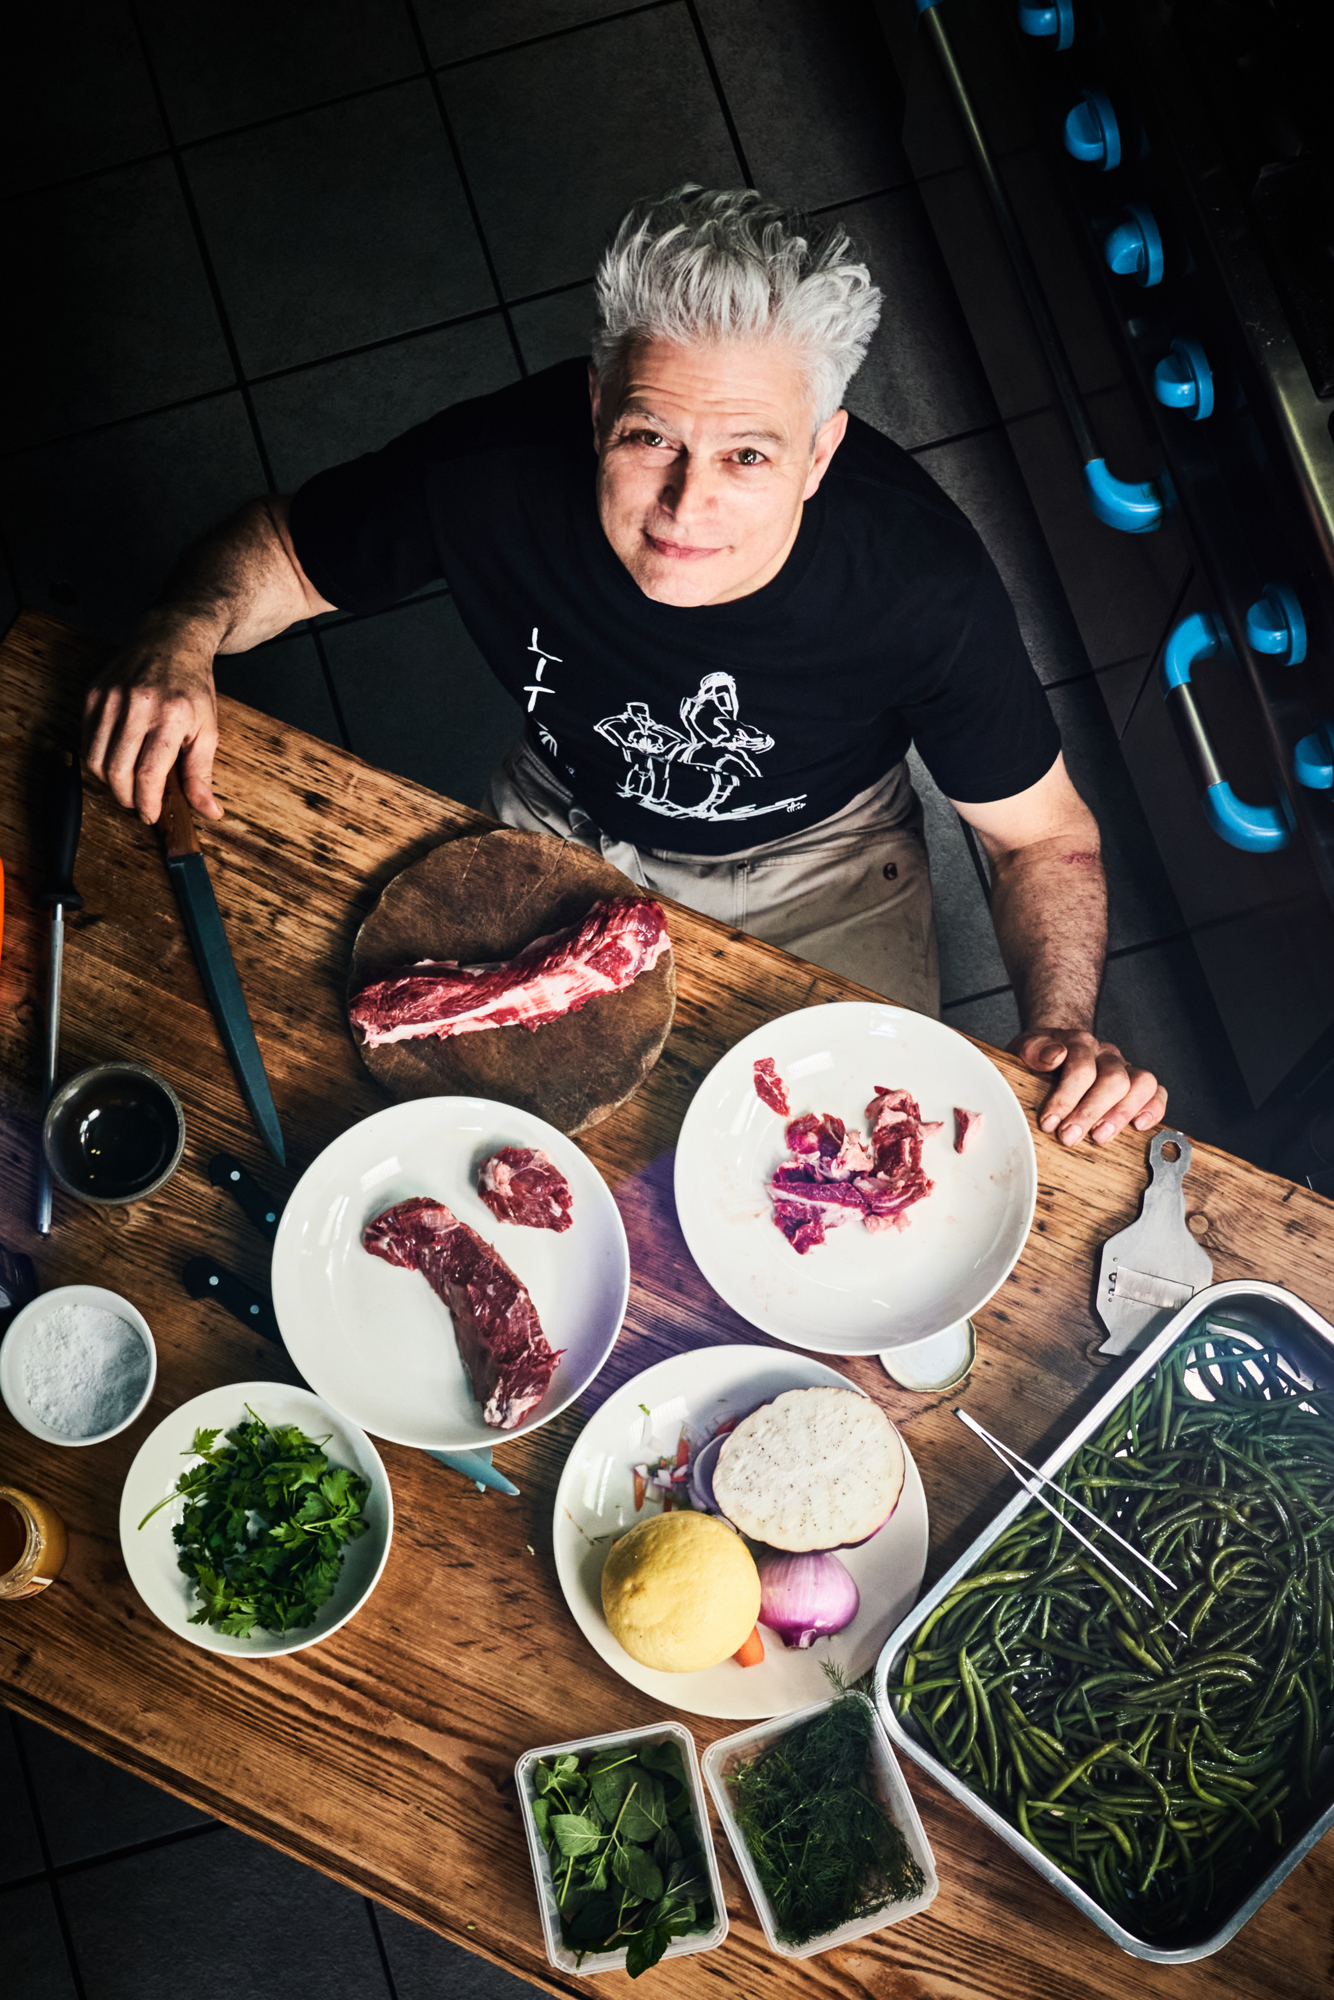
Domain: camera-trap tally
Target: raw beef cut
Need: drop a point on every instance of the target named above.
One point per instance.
(833, 1176)
(508, 1359)
(769, 1087)
(553, 976)
(520, 1184)
(965, 1124)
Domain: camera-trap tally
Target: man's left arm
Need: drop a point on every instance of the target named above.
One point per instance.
(1049, 909)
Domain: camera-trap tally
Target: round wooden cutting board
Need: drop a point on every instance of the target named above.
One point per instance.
(481, 899)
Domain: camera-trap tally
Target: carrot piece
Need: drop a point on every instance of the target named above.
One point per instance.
(682, 1451)
(752, 1653)
(639, 1491)
(666, 1503)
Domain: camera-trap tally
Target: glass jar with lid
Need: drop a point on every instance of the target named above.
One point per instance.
(32, 1544)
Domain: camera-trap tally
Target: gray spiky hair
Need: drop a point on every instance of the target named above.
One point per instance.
(717, 264)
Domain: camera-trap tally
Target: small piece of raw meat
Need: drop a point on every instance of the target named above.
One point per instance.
(508, 1359)
(802, 1225)
(770, 1088)
(520, 1184)
(820, 1134)
(965, 1124)
(551, 977)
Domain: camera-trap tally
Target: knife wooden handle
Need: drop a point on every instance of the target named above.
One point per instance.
(176, 822)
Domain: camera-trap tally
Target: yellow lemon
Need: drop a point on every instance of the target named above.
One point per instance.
(681, 1592)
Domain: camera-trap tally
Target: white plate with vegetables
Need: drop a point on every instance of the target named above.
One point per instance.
(857, 1292)
(292, 1522)
(697, 1394)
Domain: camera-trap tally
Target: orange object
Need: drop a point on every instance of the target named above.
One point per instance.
(32, 1543)
(752, 1653)
(639, 1491)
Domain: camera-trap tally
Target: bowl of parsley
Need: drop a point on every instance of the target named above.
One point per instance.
(255, 1520)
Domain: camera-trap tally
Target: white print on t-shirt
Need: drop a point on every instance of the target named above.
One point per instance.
(534, 687)
(714, 742)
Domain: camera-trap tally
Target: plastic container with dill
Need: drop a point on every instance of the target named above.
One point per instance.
(868, 1876)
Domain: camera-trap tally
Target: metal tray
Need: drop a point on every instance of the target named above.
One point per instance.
(1268, 1311)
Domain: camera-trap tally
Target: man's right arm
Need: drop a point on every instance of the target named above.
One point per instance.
(155, 701)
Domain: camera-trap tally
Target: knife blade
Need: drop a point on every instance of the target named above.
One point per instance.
(208, 940)
(61, 820)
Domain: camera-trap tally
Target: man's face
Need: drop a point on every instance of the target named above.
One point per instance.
(704, 463)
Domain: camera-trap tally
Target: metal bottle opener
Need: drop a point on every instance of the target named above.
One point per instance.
(1149, 1270)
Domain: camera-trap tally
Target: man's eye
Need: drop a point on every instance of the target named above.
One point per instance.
(648, 437)
(749, 456)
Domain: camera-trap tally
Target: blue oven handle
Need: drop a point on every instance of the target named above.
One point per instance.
(1254, 829)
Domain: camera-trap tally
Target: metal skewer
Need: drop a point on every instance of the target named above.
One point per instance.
(1012, 1461)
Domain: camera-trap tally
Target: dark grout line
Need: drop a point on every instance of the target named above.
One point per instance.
(378, 1935)
(1149, 944)
(76, 1977)
(719, 92)
(11, 198)
(988, 993)
(86, 1862)
(999, 423)
(1177, 603)
(196, 224)
(851, 200)
(553, 35)
(116, 423)
(459, 168)
(332, 688)
(334, 621)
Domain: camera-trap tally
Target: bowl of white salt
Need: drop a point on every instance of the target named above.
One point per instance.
(77, 1365)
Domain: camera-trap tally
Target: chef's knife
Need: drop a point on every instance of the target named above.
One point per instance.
(61, 818)
(208, 940)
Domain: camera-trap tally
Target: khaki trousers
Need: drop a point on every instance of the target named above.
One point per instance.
(852, 894)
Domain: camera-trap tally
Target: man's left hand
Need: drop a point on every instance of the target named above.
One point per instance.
(1097, 1091)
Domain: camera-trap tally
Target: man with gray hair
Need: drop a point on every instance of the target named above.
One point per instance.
(725, 623)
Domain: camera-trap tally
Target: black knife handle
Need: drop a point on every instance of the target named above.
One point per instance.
(61, 817)
(205, 1278)
(234, 1179)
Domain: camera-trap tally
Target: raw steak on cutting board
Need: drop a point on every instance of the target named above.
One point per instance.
(482, 900)
(616, 942)
(508, 1359)
(520, 1184)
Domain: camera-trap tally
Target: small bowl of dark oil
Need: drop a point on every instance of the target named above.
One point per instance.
(114, 1134)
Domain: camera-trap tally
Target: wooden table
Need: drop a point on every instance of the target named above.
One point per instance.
(385, 1756)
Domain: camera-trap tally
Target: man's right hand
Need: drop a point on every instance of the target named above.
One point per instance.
(154, 704)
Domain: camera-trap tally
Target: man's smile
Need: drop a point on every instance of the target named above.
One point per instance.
(678, 551)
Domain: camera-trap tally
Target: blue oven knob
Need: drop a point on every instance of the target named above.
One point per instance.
(1313, 760)
(1041, 21)
(1092, 133)
(1134, 247)
(1275, 625)
(1183, 379)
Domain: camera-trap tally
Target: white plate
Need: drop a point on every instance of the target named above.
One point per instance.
(377, 1342)
(595, 1501)
(150, 1553)
(856, 1293)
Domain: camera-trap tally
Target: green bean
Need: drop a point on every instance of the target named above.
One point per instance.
(1144, 1764)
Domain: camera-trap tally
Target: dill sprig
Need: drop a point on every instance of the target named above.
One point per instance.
(824, 1847)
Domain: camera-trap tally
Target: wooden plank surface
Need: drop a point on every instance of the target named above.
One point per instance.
(385, 1756)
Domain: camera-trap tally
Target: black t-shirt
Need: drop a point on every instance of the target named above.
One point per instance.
(708, 729)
